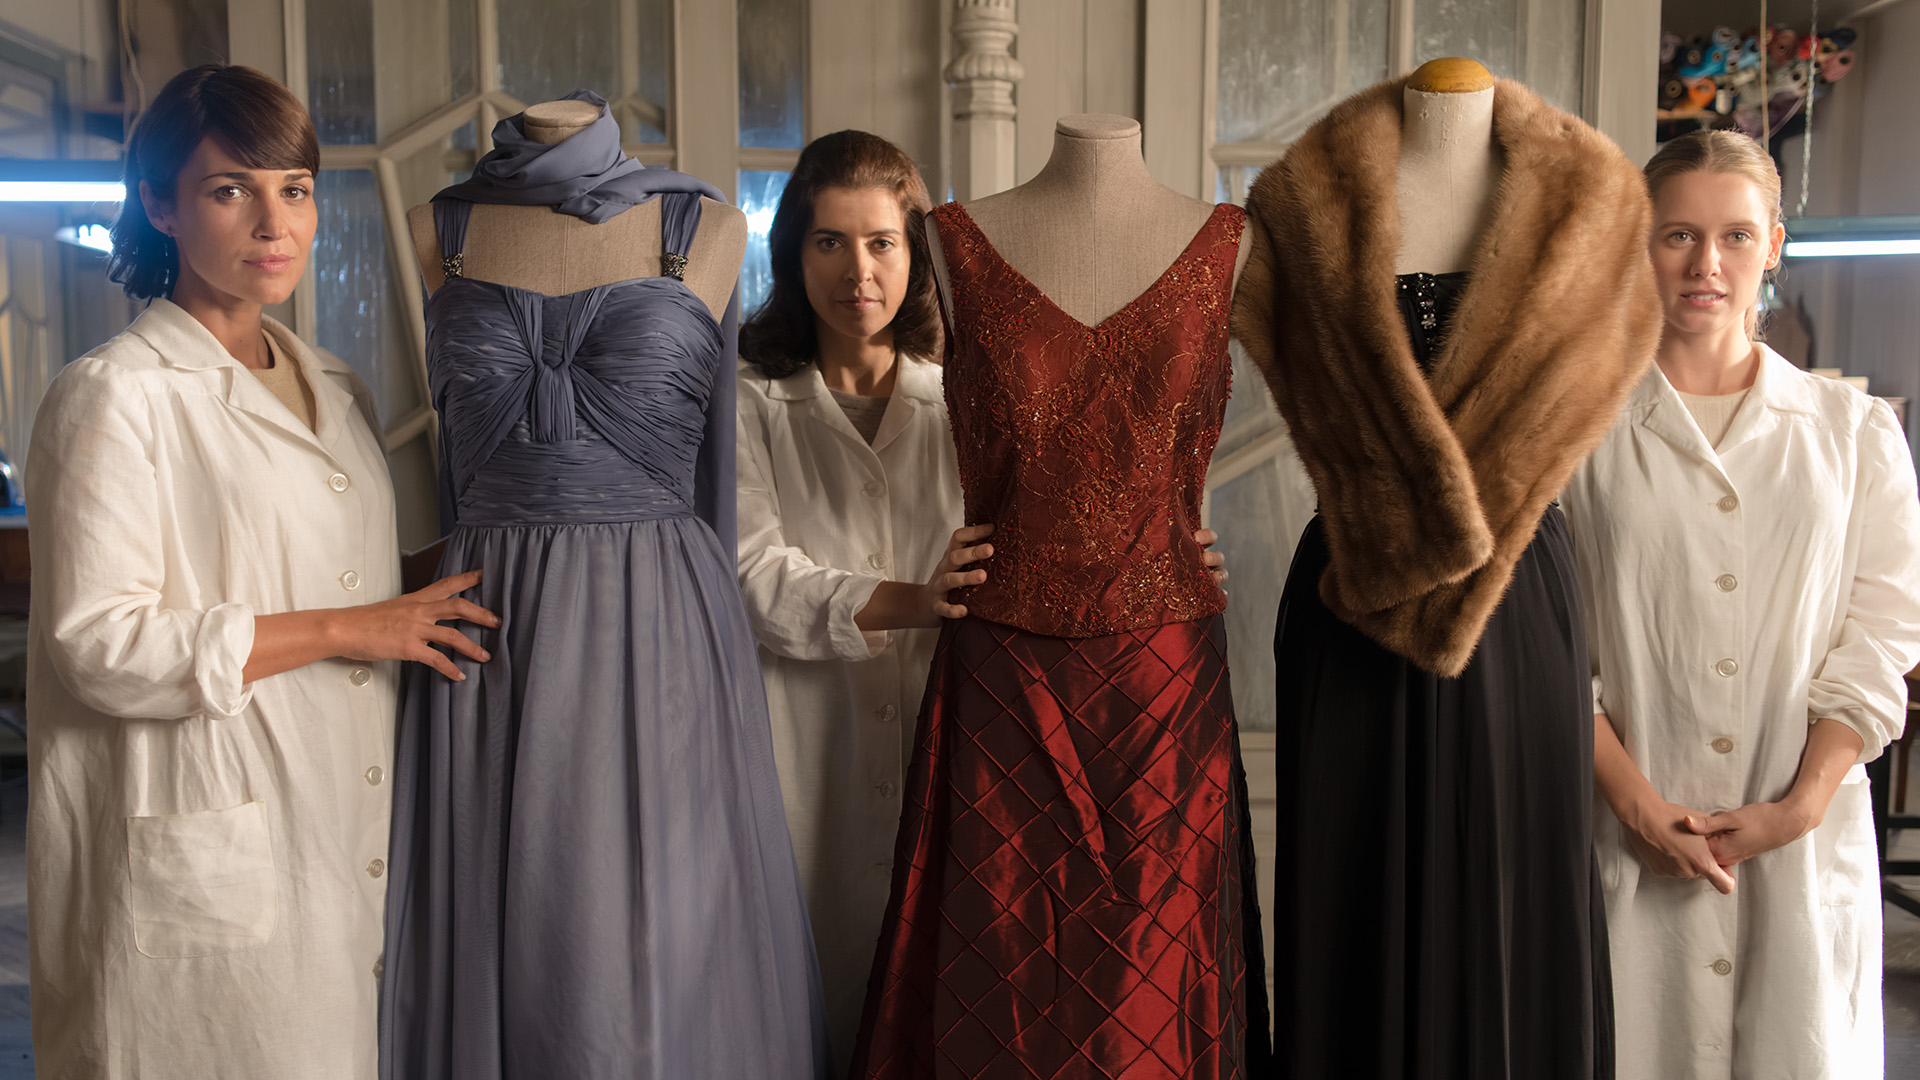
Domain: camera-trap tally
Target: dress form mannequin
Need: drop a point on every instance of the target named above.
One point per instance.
(532, 247)
(1093, 230)
(1449, 165)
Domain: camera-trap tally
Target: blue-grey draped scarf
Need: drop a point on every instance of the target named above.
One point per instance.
(586, 174)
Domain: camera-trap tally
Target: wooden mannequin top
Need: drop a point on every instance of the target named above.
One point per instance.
(532, 247)
(1093, 230)
(1449, 165)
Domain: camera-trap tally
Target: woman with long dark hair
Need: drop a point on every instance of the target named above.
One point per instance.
(850, 526)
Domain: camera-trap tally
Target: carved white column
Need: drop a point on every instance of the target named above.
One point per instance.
(983, 72)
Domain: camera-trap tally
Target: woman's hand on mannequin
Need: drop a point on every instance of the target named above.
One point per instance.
(1739, 835)
(901, 605)
(1213, 560)
(406, 627)
(1663, 836)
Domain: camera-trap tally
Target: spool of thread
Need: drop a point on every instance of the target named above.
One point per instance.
(1693, 55)
(1724, 36)
(1672, 92)
(1747, 57)
(1713, 62)
(1700, 92)
(1780, 45)
(1843, 38)
(1669, 45)
(1835, 67)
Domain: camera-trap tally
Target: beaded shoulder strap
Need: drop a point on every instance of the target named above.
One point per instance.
(679, 221)
(450, 218)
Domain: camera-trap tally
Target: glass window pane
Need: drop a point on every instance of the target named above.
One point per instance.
(352, 284)
(1483, 30)
(460, 47)
(1283, 64)
(759, 197)
(772, 61)
(340, 72)
(1539, 42)
(549, 48)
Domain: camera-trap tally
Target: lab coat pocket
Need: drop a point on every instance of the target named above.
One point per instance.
(203, 883)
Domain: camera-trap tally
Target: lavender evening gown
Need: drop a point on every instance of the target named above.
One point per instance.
(591, 875)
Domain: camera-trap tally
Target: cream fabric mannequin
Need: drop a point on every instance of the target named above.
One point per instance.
(1093, 230)
(1449, 165)
(532, 247)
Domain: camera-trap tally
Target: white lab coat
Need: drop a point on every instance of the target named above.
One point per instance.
(205, 874)
(1732, 596)
(824, 518)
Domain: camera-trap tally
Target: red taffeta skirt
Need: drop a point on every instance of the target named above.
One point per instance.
(1072, 884)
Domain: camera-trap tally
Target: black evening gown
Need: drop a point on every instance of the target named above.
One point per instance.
(1438, 915)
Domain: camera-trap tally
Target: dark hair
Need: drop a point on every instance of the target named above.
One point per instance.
(255, 119)
(779, 339)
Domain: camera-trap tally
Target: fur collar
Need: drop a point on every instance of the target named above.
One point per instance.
(1431, 488)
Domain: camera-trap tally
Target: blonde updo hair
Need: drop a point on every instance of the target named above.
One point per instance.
(1727, 152)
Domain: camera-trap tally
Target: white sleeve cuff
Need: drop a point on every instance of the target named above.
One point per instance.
(848, 640)
(221, 648)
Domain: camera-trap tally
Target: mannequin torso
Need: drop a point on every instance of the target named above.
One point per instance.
(531, 247)
(1449, 166)
(1093, 230)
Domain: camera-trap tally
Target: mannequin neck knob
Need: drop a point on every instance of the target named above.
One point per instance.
(1450, 75)
(555, 121)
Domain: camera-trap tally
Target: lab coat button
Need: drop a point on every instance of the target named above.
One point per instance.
(1727, 582)
(874, 489)
(359, 676)
(338, 481)
(877, 560)
(380, 967)
(1728, 667)
(1728, 504)
(375, 775)
(1723, 745)
(887, 790)
(350, 580)
(887, 713)
(1723, 967)
(376, 868)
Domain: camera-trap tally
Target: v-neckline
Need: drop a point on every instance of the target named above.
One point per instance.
(1095, 328)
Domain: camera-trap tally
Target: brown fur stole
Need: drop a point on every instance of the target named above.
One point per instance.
(1431, 488)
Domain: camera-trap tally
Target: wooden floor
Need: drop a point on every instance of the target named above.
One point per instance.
(16, 1051)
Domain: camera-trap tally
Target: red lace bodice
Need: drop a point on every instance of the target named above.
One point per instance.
(1087, 446)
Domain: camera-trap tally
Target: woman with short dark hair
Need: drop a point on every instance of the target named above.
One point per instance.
(215, 572)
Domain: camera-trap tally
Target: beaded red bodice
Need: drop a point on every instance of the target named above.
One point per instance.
(1087, 446)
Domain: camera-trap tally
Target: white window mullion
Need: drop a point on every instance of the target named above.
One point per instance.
(706, 95)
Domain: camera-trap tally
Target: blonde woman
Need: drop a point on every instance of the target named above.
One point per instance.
(1749, 546)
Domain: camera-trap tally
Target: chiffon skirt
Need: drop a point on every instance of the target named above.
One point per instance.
(1072, 883)
(590, 870)
(1438, 915)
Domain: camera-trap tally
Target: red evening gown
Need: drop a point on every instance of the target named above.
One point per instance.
(1072, 889)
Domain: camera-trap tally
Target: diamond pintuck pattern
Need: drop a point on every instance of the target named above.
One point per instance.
(1067, 893)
